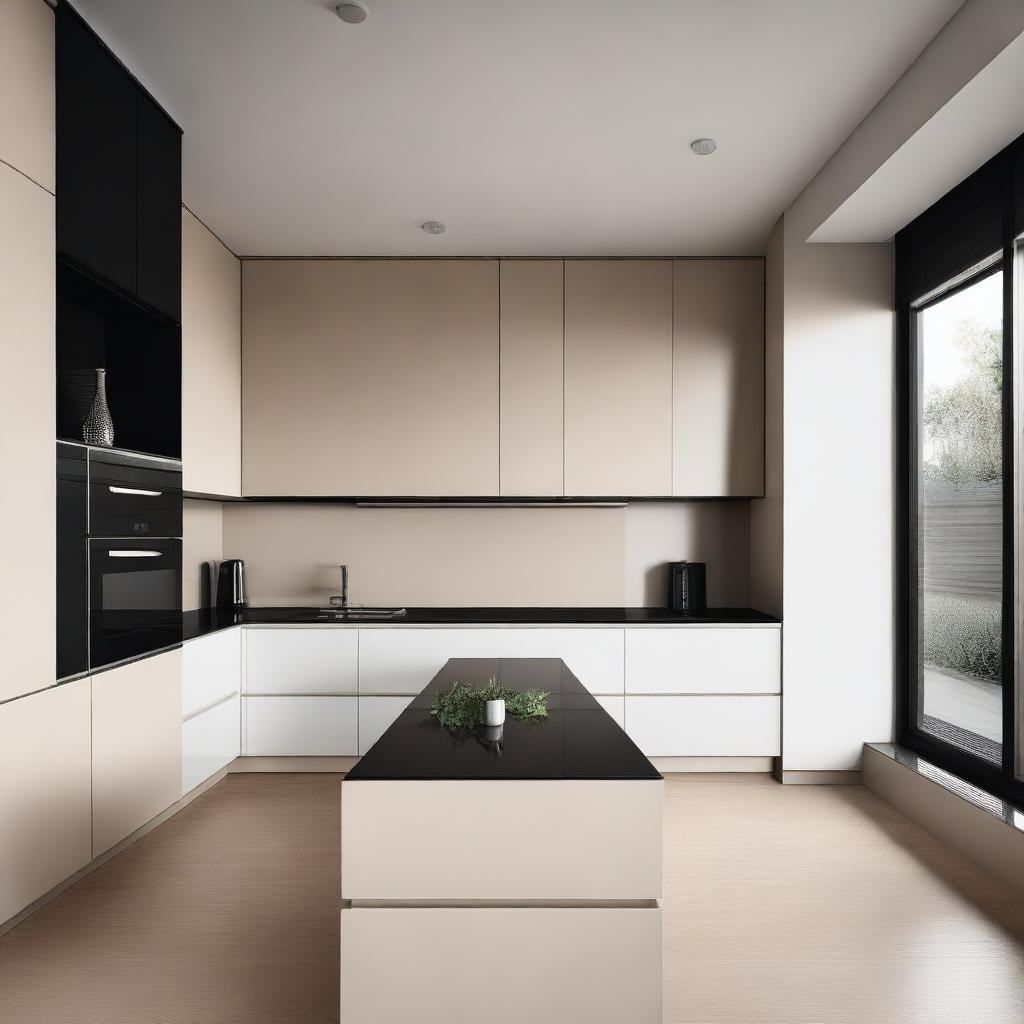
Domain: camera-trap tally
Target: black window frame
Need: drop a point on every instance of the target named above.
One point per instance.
(948, 245)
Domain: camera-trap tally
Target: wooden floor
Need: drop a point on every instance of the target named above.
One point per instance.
(783, 905)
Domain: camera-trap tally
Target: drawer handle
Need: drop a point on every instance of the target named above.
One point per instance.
(131, 553)
(134, 490)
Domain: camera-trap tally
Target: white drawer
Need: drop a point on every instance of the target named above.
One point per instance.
(211, 669)
(300, 726)
(210, 741)
(694, 659)
(312, 660)
(375, 715)
(705, 726)
(404, 660)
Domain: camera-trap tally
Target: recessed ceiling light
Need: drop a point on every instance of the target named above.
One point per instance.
(352, 13)
(434, 227)
(703, 147)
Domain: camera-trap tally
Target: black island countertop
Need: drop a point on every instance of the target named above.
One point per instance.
(199, 623)
(577, 740)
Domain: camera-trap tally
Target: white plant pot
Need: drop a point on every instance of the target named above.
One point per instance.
(494, 712)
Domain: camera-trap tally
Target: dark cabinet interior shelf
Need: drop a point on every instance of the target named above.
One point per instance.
(141, 352)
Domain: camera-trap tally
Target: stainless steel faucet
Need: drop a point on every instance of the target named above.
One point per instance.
(341, 600)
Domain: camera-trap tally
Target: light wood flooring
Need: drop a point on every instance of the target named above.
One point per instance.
(783, 905)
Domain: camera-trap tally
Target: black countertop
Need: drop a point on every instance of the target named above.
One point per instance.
(577, 740)
(199, 623)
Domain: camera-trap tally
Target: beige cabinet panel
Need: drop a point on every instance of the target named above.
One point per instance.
(435, 965)
(531, 377)
(45, 820)
(211, 362)
(618, 377)
(370, 377)
(27, 127)
(27, 514)
(718, 378)
(136, 746)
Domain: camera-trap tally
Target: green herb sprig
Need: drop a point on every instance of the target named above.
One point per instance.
(461, 706)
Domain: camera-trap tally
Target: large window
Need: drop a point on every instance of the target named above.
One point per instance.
(961, 513)
(959, 405)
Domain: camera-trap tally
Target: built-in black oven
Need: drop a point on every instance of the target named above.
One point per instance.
(134, 597)
(134, 556)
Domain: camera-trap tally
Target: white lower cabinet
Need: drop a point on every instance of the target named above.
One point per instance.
(45, 812)
(210, 740)
(136, 746)
(210, 705)
(375, 715)
(701, 726)
(396, 659)
(301, 660)
(301, 726)
(704, 659)
(211, 670)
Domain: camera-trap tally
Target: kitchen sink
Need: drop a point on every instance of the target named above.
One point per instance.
(336, 613)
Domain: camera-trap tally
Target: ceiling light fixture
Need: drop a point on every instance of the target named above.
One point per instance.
(703, 147)
(351, 13)
(434, 227)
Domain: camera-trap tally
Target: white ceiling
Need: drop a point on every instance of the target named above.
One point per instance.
(530, 127)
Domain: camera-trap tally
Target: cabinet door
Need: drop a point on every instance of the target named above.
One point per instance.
(718, 374)
(26, 85)
(531, 377)
(210, 741)
(618, 377)
(375, 715)
(396, 660)
(211, 362)
(705, 726)
(159, 209)
(211, 670)
(28, 513)
(301, 726)
(314, 660)
(370, 377)
(96, 172)
(44, 793)
(692, 659)
(136, 746)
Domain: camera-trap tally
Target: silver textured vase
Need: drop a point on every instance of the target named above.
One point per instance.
(98, 428)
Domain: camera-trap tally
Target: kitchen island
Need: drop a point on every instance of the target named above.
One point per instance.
(514, 877)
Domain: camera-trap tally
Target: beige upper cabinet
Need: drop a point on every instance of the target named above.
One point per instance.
(28, 512)
(718, 373)
(618, 377)
(531, 378)
(27, 132)
(370, 377)
(136, 746)
(211, 362)
(45, 811)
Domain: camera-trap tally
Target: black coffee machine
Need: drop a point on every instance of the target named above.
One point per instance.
(231, 584)
(687, 586)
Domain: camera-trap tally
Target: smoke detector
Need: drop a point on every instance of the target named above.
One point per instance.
(434, 227)
(351, 13)
(703, 147)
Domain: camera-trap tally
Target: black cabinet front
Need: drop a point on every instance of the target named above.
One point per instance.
(133, 497)
(96, 145)
(118, 173)
(72, 562)
(159, 209)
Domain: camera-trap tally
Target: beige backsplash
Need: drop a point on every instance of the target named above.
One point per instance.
(544, 557)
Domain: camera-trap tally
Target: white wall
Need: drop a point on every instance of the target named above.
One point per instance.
(202, 541)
